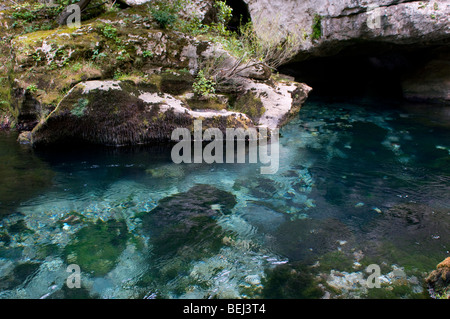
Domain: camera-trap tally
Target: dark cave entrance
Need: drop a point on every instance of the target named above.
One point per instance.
(369, 70)
(241, 15)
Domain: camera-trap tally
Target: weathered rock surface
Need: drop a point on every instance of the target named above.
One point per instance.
(368, 28)
(345, 22)
(123, 113)
(439, 280)
(429, 82)
(145, 87)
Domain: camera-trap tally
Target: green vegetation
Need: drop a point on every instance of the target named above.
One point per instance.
(32, 88)
(165, 12)
(290, 281)
(80, 107)
(147, 54)
(224, 15)
(203, 86)
(110, 32)
(317, 27)
(251, 105)
(98, 246)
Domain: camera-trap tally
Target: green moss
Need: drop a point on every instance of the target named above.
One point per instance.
(290, 281)
(336, 260)
(399, 290)
(205, 104)
(46, 250)
(316, 27)
(250, 105)
(412, 259)
(80, 107)
(97, 246)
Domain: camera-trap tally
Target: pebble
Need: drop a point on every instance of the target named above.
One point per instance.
(377, 210)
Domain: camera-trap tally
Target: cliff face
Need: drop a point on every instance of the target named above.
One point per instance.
(331, 28)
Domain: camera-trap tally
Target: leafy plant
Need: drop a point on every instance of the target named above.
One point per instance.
(164, 14)
(97, 54)
(110, 32)
(147, 54)
(224, 15)
(203, 86)
(32, 88)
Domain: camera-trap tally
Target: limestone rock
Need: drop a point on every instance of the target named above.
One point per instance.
(372, 28)
(343, 22)
(123, 113)
(439, 280)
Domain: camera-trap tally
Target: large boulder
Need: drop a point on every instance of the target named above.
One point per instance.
(123, 113)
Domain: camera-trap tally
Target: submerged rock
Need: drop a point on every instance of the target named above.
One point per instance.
(305, 239)
(291, 281)
(20, 274)
(185, 223)
(97, 247)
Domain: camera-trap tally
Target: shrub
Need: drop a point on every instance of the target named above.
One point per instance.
(224, 15)
(203, 86)
(163, 18)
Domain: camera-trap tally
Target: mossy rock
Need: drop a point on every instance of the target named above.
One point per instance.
(290, 281)
(176, 83)
(108, 113)
(97, 247)
(21, 273)
(185, 223)
(249, 104)
(210, 103)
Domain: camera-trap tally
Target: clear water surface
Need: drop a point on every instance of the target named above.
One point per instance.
(359, 183)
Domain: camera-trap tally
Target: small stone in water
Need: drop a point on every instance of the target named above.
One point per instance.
(253, 280)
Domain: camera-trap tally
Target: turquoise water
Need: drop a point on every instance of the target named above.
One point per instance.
(359, 183)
